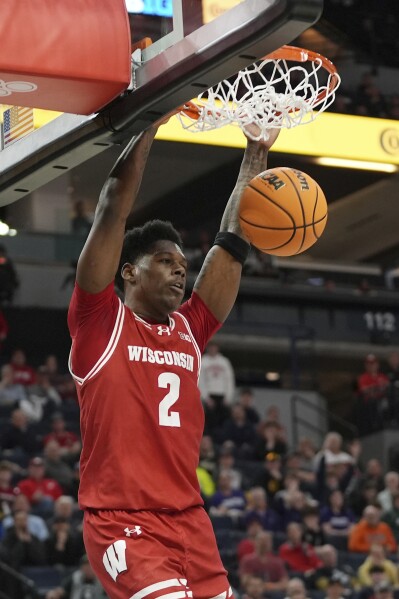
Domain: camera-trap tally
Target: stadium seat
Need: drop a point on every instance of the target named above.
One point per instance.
(45, 578)
(351, 559)
(228, 539)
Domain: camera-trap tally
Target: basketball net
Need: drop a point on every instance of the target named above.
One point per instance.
(281, 91)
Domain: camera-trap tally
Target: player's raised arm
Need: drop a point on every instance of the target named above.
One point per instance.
(218, 282)
(100, 256)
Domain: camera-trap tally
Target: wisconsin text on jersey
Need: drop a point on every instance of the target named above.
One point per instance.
(139, 353)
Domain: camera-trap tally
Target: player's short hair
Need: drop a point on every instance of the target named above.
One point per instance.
(139, 241)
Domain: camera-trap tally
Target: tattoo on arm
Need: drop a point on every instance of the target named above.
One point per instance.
(254, 162)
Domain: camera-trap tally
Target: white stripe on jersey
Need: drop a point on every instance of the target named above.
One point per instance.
(176, 595)
(220, 596)
(109, 350)
(157, 586)
(195, 344)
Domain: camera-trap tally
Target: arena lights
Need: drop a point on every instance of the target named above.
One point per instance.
(272, 377)
(384, 167)
(5, 230)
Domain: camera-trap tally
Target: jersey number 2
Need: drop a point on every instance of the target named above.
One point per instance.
(172, 381)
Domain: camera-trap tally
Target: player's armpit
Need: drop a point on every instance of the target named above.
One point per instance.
(218, 282)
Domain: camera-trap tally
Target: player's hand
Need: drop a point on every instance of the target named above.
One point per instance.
(254, 131)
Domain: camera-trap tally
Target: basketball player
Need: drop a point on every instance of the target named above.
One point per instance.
(136, 367)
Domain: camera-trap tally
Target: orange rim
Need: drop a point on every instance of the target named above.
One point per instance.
(292, 53)
(297, 54)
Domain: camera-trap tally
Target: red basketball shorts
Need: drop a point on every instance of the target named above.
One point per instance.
(155, 555)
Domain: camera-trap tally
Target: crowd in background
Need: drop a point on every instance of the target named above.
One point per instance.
(289, 520)
(367, 100)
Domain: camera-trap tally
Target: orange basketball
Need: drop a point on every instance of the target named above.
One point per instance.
(283, 211)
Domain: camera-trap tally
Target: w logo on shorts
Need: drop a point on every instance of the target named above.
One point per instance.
(114, 559)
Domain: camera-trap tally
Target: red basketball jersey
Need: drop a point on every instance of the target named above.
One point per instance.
(141, 414)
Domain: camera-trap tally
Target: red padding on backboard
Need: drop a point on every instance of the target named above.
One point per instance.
(68, 55)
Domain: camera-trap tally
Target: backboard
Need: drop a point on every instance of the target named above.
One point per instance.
(195, 45)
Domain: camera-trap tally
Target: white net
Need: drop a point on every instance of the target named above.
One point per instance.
(273, 93)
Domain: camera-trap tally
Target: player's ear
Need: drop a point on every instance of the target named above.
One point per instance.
(128, 272)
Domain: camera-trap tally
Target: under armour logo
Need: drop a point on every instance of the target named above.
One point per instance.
(134, 531)
(162, 330)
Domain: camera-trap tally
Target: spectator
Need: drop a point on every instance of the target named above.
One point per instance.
(374, 473)
(36, 525)
(258, 509)
(43, 397)
(11, 393)
(61, 381)
(217, 380)
(332, 451)
(306, 477)
(20, 546)
(378, 577)
(41, 491)
(24, 374)
(392, 517)
(269, 441)
(294, 506)
(55, 467)
(383, 590)
(336, 519)
(307, 453)
(264, 564)
(81, 584)
(6, 489)
(238, 430)
(329, 567)
(226, 463)
(18, 436)
(378, 558)
(67, 440)
(9, 281)
(247, 545)
(296, 589)
(373, 391)
(227, 501)
(393, 390)
(299, 556)
(253, 588)
(207, 459)
(270, 477)
(66, 507)
(385, 497)
(362, 496)
(336, 587)
(371, 530)
(64, 547)
(272, 414)
(206, 483)
(246, 400)
(313, 533)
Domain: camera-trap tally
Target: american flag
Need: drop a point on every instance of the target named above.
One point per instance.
(17, 122)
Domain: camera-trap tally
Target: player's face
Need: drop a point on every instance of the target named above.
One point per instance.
(160, 280)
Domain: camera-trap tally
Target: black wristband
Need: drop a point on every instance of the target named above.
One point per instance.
(234, 245)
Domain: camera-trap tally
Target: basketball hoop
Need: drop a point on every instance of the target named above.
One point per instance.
(268, 94)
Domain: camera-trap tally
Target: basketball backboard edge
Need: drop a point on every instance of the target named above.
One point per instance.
(198, 61)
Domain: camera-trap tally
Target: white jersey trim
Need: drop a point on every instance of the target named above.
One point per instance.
(109, 350)
(157, 586)
(195, 344)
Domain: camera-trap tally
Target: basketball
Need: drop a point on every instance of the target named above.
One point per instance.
(283, 211)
